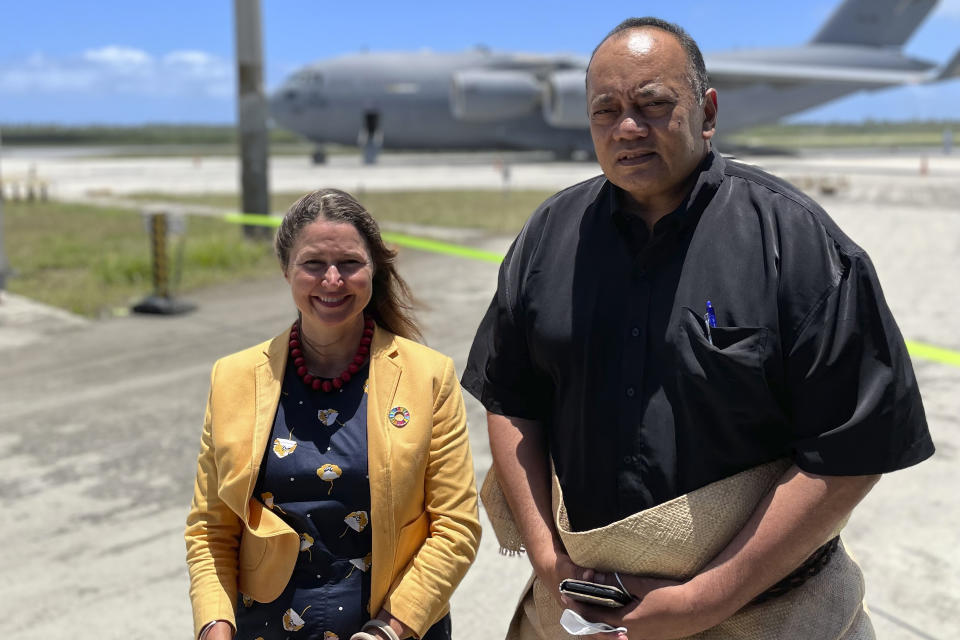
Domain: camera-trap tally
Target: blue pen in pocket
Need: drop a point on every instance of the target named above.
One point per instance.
(710, 321)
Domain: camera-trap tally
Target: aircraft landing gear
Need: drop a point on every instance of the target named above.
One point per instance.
(371, 137)
(370, 152)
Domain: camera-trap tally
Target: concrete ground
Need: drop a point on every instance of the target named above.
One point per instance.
(100, 421)
(71, 178)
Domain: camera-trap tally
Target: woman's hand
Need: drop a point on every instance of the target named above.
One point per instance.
(402, 630)
(220, 630)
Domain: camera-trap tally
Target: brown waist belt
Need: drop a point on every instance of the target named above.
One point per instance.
(811, 567)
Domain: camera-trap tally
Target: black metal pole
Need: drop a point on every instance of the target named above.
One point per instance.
(161, 301)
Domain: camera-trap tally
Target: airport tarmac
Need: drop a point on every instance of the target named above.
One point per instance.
(72, 178)
(100, 420)
(856, 175)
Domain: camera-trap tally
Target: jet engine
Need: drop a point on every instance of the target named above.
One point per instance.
(481, 95)
(565, 100)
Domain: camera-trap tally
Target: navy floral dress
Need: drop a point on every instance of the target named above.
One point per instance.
(314, 476)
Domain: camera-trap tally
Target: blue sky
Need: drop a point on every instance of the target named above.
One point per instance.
(122, 62)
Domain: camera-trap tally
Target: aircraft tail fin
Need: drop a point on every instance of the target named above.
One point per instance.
(951, 69)
(874, 23)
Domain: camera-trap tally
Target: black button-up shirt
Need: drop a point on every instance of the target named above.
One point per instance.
(597, 330)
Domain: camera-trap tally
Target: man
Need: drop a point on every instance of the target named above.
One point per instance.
(598, 350)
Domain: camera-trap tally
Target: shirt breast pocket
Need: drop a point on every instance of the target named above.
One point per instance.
(721, 379)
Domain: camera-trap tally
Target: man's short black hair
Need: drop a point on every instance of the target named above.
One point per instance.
(696, 69)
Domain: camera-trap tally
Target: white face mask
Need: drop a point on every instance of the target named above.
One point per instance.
(574, 624)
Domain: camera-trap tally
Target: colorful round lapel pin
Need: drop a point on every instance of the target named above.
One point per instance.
(399, 416)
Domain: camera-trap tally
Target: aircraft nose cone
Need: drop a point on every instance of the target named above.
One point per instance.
(283, 105)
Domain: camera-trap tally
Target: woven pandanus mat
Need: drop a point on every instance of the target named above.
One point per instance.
(675, 540)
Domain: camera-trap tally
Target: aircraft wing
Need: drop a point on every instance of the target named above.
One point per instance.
(743, 72)
(951, 69)
(874, 23)
(538, 64)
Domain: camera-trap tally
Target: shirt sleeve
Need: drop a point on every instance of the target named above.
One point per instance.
(854, 398)
(500, 370)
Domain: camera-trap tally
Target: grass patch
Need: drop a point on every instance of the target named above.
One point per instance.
(496, 211)
(501, 212)
(840, 135)
(90, 260)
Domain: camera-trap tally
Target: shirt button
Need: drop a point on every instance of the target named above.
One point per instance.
(635, 332)
(627, 460)
(630, 392)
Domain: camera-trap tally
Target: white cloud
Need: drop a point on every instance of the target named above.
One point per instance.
(124, 57)
(36, 59)
(40, 73)
(201, 69)
(191, 58)
(115, 69)
(50, 80)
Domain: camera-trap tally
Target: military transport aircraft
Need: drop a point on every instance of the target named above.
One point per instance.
(480, 99)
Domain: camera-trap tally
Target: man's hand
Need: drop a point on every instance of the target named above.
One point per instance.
(520, 457)
(661, 609)
(790, 523)
(555, 568)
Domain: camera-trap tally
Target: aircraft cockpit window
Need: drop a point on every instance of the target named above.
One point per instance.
(309, 77)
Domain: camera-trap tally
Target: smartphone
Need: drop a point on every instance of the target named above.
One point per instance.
(593, 593)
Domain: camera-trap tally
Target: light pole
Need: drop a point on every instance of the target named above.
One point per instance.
(4, 265)
(251, 112)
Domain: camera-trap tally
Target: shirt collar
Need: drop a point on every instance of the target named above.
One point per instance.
(710, 176)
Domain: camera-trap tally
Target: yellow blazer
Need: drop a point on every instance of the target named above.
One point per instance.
(423, 502)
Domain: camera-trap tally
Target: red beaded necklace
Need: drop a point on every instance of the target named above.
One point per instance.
(329, 384)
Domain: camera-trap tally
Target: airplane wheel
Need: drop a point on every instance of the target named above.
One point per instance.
(370, 153)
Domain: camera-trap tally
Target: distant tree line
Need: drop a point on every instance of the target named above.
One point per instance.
(866, 127)
(868, 133)
(140, 134)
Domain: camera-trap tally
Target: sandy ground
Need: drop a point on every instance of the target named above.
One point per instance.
(99, 421)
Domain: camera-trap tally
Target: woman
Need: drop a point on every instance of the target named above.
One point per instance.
(334, 482)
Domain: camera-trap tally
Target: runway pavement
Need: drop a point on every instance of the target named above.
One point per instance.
(857, 175)
(99, 428)
(72, 178)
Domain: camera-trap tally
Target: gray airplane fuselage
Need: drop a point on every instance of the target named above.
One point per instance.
(479, 99)
(409, 94)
